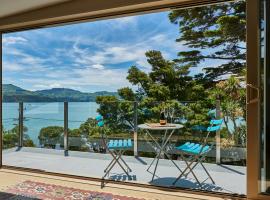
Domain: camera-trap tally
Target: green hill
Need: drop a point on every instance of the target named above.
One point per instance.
(12, 93)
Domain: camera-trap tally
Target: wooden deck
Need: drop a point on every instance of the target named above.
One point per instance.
(229, 179)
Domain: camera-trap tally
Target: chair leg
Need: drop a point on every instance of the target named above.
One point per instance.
(181, 175)
(119, 156)
(102, 184)
(110, 168)
(120, 159)
(176, 166)
(114, 155)
(186, 161)
(207, 173)
(126, 164)
(199, 160)
(108, 165)
(115, 160)
(190, 168)
(192, 172)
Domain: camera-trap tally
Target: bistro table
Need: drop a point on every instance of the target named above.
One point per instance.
(168, 129)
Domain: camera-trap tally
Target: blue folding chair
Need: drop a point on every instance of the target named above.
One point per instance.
(116, 148)
(197, 152)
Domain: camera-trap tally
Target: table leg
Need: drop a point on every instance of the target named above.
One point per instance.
(158, 146)
(158, 156)
(162, 149)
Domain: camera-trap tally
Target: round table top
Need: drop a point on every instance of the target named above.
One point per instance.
(160, 127)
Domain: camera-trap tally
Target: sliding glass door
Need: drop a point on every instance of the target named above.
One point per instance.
(265, 97)
(258, 99)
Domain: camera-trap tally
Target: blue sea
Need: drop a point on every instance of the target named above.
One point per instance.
(39, 115)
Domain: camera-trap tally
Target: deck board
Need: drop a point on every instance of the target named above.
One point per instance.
(229, 179)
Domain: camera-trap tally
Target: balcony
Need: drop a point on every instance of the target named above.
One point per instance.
(63, 138)
(228, 178)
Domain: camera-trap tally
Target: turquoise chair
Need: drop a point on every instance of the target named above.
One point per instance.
(197, 152)
(116, 148)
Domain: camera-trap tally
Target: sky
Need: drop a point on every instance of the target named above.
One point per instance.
(92, 56)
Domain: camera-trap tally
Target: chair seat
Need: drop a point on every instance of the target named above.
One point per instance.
(120, 144)
(193, 148)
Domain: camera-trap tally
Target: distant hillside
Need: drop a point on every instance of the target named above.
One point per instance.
(12, 93)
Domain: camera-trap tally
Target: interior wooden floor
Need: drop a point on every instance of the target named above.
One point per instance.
(10, 177)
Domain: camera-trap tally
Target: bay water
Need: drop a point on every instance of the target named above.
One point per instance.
(40, 115)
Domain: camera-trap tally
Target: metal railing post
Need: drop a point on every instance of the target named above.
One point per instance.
(135, 128)
(66, 127)
(20, 143)
(218, 116)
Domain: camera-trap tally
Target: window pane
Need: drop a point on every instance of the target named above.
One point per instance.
(265, 96)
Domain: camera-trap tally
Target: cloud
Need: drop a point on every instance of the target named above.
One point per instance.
(109, 80)
(11, 67)
(90, 56)
(112, 53)
(115, 53)
(118, 54)
(126, 20)
(17, 59)
(97, 66)
(13, 40)
(123, 22)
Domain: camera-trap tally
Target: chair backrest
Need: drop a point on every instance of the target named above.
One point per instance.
(101, 124)
(215, 125)
(100, 121)
(216, 121)
(213, 128)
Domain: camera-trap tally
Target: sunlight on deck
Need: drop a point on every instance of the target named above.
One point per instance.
(229, 179)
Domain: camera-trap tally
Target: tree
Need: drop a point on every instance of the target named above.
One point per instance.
(167, 85)
(118, 115)
(16, 129)
(51, 135)
(167, 80)
(89, 128)
(232, 96)
(11, 138)
(214, 32)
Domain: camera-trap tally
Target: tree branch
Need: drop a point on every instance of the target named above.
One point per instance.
(221, 58)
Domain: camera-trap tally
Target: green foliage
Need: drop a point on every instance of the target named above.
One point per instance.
(11, 138)
(27, 142)
(118, 115)
(89, 128)
(232, 96)
(16, 129)
(51, 135)
(221, 28)
(75, 132)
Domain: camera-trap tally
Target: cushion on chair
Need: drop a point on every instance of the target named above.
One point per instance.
(187, 145)
(193, 148)
(120, 144)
